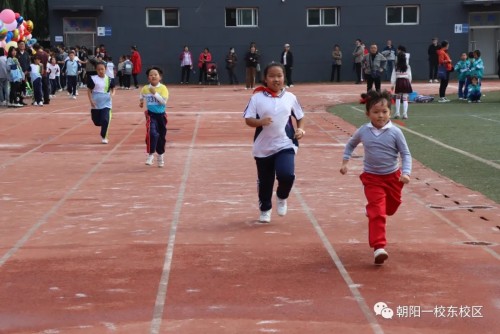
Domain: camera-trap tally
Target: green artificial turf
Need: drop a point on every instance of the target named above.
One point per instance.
(473, 128)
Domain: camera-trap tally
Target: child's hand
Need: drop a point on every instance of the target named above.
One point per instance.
(92, 104)
(152, 90)
(266, 121)
(343, 168)
(299, 133)
(141, 104)
(404, 179)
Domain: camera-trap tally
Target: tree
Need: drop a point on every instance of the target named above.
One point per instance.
(34, 10)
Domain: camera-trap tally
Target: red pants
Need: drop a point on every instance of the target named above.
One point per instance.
(383, 193)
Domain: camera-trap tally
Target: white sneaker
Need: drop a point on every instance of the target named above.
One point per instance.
(161, 161)
(281, 206)
(430, 81)
(442, 100)
(150, 159)
(291, 86)
(265, 216)
(405, 116)
(380, 256)
(104, 140)
(436, 80)
(35, 103)
(73, 97)
(40, 104)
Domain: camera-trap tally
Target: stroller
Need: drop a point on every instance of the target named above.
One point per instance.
(212, 74)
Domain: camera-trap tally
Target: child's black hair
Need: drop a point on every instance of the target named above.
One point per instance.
(401, 64)
(373, 97)
(154, 68)
(470, 54)
(477, 52)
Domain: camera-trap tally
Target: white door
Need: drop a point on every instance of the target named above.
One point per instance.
(485, 40)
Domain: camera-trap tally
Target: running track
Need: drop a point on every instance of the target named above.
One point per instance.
(94, 241)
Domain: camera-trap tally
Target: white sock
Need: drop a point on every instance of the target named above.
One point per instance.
(405, 107)
(398, 106)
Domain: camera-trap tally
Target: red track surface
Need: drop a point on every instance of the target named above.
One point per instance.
(94, 241)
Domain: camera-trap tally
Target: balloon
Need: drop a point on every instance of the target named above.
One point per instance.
(7, 15)
(11, 26)
(9, 44)
(31, 41)
(20, 20)
(29, 26)
(15, 35)
(9, 37)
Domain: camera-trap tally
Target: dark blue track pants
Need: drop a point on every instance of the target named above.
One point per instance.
(280, 166)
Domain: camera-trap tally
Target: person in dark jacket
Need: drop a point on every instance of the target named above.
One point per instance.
(287, 61)
(433, 60)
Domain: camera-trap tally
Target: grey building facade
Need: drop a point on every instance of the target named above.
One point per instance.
(160, 29)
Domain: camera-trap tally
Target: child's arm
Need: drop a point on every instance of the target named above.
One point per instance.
(256, 122)
(299, 132)
(349, 148)
(404, 152)
(89, 95)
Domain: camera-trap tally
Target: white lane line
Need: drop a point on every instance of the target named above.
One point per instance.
(163, 285)
(338, 263)
(486, 119)
(451, 148)
(20, 243)
(14, 160)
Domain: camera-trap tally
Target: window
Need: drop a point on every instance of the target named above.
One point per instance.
(158, 17)
(396, 15)
(322, 17)
(241, 17)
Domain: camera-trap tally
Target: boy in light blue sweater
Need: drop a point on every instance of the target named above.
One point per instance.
(382, 177)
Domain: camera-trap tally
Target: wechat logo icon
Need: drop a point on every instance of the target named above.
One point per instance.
(383, 310)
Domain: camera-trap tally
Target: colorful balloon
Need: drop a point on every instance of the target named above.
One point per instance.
(7, 16)
(29, 26)
(9, 44)
(11, 26)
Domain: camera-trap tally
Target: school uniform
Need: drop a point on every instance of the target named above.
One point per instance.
(274, 146)
(101, 95)
(156, 118)
(381, 173)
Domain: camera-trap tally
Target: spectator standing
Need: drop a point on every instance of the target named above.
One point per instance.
(358, 54)
(24, 57)
(135, 58)
(119, 72)
(231, 61)
(4, 79)
(287, 61)
(433, 60)
(204, 58)
(44, 59)
(15, 77)
(373, 65)
(337, 63)
(251, 61)
(127, 72)
(444, 61)
(477, 68)
(462, 70)
(389, 53)
(186, 59)
(401, 84)
(36, 81)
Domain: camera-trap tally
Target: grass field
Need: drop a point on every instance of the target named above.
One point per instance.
(459, 140)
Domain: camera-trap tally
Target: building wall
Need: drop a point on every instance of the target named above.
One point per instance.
(202, 24)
